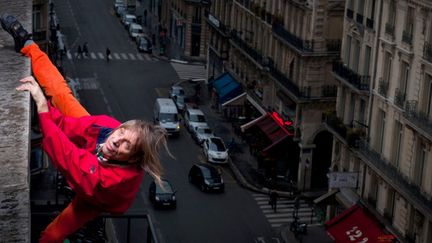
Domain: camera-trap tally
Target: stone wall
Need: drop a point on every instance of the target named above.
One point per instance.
(14, 132)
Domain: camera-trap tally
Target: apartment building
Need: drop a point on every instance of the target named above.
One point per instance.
(383, 126)
(281, 53)
(184, 23)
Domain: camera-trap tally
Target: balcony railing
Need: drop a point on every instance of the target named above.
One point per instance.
(350, 134)
(395, 178)
(427, 51)
(349, 13)
(257, 57)
(302, 45)
(358, 81)
(215, 23)
(407, 37)
(383, 86)
(359, 18)
(418, 118)
(399, 98)
(389, 29)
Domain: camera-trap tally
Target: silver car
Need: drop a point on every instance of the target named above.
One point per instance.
(201, 133)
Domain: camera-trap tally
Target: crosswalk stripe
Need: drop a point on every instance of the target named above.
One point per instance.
(92, 55)
(101, 56)
(132, 57)
(124, 56)
(69, 56)
(116, 56)
(140, 57)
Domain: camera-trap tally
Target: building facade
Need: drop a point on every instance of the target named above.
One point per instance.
(184, 24)
(282, 52)
(383, 127)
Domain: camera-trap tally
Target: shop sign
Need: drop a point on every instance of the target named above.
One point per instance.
(343, 179)
(280, 120)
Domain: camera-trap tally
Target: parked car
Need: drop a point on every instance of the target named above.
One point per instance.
(120, 9)
(176, 90)
(127, 19)
(162, 196)
(215, 150)
(194, 118)
(201, 133)
(144, 44)
(135, 30)
(117, 3)
(206, 177)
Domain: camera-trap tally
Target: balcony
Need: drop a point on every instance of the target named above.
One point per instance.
(351, 135)
(358, 81)
(300, 44)
(392, 176)
(427, 51)
(407, 37)
(359, 18)
(383, 86)
(417, 119)
(389, 29)
(251, 52)
(349, 13)
(399, 98)
(216, 24)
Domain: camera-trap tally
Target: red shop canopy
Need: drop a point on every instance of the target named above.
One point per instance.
(356, 225)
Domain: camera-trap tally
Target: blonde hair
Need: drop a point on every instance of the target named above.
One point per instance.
(151, 138)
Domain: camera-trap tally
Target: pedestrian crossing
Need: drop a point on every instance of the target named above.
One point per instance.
(189, 71)
(284, 211)
(114, 56)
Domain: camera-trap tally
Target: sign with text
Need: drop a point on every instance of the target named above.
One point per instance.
(343, 179)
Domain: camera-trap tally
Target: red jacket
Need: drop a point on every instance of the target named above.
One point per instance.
(70, 144)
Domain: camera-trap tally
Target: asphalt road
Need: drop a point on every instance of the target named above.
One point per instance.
(126, 88)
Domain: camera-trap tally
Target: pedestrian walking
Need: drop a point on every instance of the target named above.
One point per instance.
(108, 54)
(273, 200)
(85, 49)
(79, 52)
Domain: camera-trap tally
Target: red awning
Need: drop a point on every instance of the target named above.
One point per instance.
(272, 130)
(355, 225)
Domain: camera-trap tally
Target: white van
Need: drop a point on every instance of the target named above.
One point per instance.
(166, 115)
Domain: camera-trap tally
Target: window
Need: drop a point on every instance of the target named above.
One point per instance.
(371, 9)
(360, 6)
(409, 21)
(350, 117)
(347, 50)
(397, 143)
(419, 167)
(392, 13)
(37, 18)
(362, 109)
(366, 61)
(387, 67)
(381, 129)
(390, 205)
(355, 55)
(404, 78)
(428, 97)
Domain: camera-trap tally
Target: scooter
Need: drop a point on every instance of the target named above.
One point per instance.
(298, 228)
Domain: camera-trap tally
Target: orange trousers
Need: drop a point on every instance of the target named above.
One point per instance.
(78, 212)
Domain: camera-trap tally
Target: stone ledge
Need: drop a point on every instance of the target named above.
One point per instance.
(14, 132)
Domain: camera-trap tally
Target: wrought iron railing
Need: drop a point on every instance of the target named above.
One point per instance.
(352, 133)
(222, 28)
(397, 179)
(383, 86)
(359, 81)
(407, 37)
(427, 51)
(420, 119)
(399, 98)
(302, 45)
(389, 29)
(246, 48)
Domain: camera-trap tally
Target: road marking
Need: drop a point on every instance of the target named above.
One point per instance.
(116, 56)
(101, 56)
(93, 56)
(147, 57)
(140, 57)
(124, 56)
(132, 57)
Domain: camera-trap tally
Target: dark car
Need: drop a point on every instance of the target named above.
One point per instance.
(162, 196)
(144, 44)
(206, 177)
